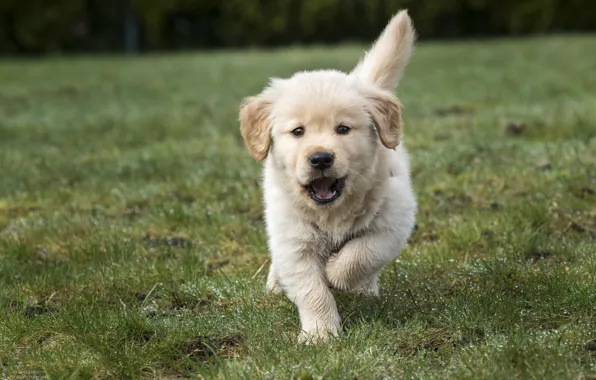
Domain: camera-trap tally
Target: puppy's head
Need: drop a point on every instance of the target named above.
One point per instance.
(324, 129)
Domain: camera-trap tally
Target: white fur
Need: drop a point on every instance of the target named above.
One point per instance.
(345, 244)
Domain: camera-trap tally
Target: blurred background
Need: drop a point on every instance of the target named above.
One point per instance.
(40, 27)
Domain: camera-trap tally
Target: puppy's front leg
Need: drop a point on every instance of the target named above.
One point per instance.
(357, 265)
(302, 276)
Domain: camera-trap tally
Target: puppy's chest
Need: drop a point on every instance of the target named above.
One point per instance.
(328, 245)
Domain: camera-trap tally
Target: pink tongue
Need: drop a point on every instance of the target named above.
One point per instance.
(322, 187)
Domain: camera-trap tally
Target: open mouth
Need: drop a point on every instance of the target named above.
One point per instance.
(325, 189)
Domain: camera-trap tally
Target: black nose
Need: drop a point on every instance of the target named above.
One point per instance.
(321, 160)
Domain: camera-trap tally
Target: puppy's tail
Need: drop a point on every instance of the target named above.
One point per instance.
(386, 61)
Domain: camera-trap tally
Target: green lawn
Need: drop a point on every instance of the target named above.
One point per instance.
(132, 243)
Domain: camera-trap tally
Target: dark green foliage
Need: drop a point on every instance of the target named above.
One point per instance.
(36, 26)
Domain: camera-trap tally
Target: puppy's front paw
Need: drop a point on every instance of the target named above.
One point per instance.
(317, 336)
(339, 278)
(336, 274)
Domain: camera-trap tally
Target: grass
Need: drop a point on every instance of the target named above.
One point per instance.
(132, 242)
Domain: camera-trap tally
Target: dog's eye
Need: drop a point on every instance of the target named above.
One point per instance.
(342, 129)
(298, 131)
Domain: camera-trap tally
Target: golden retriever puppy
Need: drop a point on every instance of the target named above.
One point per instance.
(339, 203)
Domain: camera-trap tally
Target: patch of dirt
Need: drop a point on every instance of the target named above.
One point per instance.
(184, 198)
(34, 310)
(215, 265)
(43, 338)
(459, 200)
(585, 192)
(419, 236)
(487, 234)
(31, 307)
(134, 208)
(544, 166)
(146, 335)
(437, 339)
(538, 255)
(431, 341)
(455, 169)
(495, 206)
(177, 301)
(549, 326)
(435, 344)
(591, 345)
(515, 128)
(202, 348)
(583, 229)
(16, 211)
(453, 111)
(42, 254)
(141, 297)
(577, 227)
(454, 198)
(168, 241)
(442, 136)
(180, 302)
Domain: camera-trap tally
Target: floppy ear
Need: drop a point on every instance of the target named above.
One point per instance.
(255, 126)
(385, 111)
